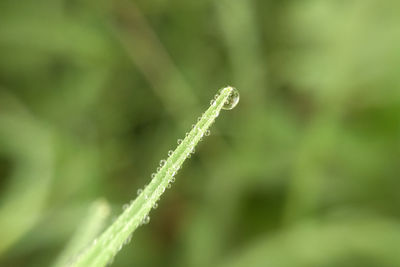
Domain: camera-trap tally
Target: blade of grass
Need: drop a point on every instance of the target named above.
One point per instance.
(91, 226)
(148, 54)
(111, 241)
(33, 171)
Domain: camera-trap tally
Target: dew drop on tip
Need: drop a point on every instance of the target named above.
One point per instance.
(232, 100)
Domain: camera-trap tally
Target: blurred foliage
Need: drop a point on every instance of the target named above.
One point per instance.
(304, 172)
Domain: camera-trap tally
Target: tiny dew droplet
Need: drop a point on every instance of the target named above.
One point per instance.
(207, 133)
(179, 141)
(232, 100)
(162, 162)
(146, 219)
(168, 186)
(139, 191)
(153, 175)
(155, 205)
(128, 240)
(170, 153)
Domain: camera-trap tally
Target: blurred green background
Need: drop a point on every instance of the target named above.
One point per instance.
(304, 172)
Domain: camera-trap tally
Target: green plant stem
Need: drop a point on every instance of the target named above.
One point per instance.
(90, 227)
(111, 241)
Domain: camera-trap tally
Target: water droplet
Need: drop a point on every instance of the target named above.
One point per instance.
(207, 133)
(212, 102)
(170, 153)
(128, 240)
(232, 100)
(162, 162)
(179, 141)
(173, 180)
(158, 169)
(139, 191)
(155, 205)
(168, 186)
(146, 219)
(153, 175)
(125, 206)
(161, 190)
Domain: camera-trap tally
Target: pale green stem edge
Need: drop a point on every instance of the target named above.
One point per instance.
(104, 248)
(89, 228)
